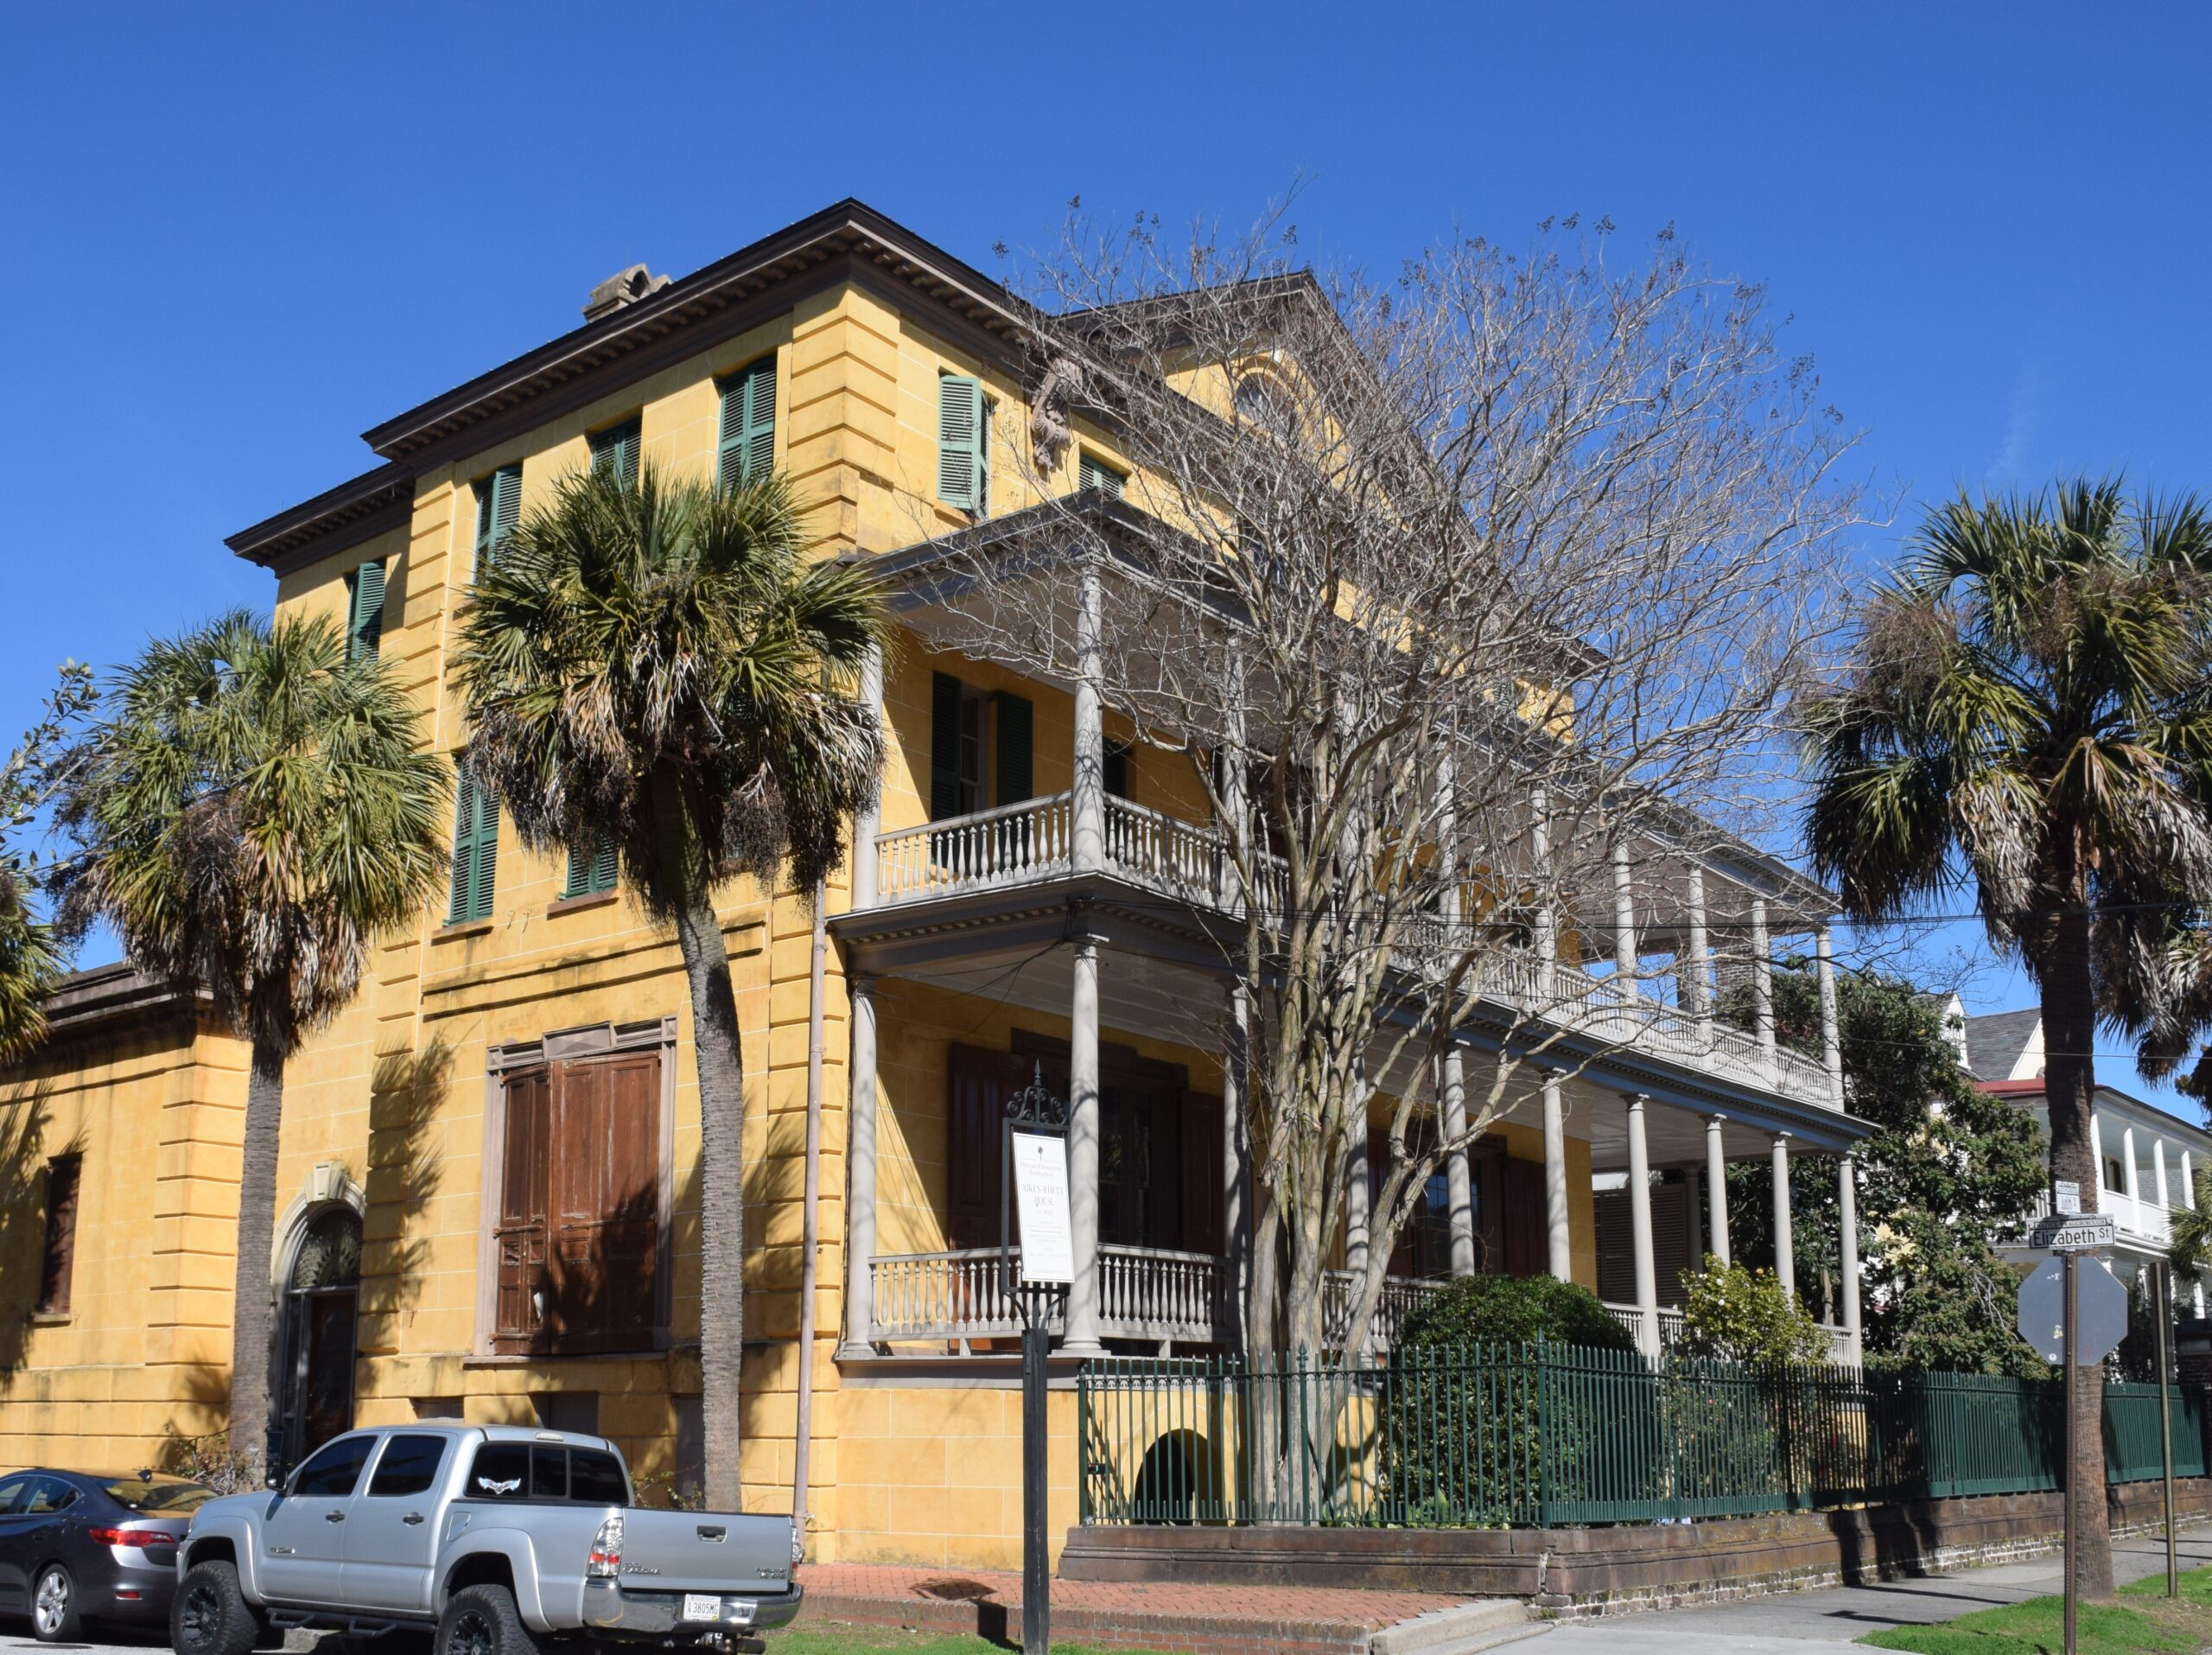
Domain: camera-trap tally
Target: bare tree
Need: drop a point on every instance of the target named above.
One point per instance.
(1445, 585)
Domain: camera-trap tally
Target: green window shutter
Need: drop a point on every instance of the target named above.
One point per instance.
(1117, 769)
(475, 849)
(365, 628)
(499, 508)
(1012, 757)
(748, 446)
(591, 873)
(1091, 472)
(615, 449)
(960, 441)
(945, 746)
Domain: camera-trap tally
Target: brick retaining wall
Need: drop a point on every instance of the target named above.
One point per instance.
(1611, 1569)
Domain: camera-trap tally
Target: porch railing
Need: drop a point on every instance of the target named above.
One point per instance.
(1541, 1436)
(1144, 1293)
(1671, 1327)
(1400, 1294)
(1033, 840)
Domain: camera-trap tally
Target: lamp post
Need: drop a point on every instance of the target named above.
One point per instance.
(1035, 1114)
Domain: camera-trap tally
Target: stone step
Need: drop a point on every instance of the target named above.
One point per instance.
(1462, 1629)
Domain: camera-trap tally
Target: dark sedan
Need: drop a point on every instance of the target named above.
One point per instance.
(75, 1547)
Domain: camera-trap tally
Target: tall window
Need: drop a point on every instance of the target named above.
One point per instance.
(748, 447)
(365, 605)
(58, 1262)
(964, 444)
(499, 508)
(981, 748)
(577, 1235)
(591, 871)
(475, 849)
(615, 449)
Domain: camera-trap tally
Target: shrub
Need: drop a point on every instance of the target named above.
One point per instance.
(1735, 1315)
(1511, 1310)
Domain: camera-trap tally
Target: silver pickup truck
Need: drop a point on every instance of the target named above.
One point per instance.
(499, 1537)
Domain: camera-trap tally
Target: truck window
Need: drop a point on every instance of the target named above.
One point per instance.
(500, 1471)
(595, 1478)
(331, 1473)
(409, 1464)
(549, 1474)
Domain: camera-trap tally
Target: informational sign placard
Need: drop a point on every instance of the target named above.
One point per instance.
(1041, 1193)
(2065, 1195)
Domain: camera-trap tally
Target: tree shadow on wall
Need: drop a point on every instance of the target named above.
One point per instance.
(408, 1093)
(24, 1154)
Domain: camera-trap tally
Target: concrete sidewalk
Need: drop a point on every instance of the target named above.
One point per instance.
(1790, 1620)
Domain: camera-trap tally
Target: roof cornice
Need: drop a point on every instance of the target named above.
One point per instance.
(355, 511)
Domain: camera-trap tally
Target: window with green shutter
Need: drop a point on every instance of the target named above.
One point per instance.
(948, 790)
(1116, 759)
(1011, 759)
(364, 619)
(962, 443)
(591, 872)
(499, 508)
(1092, 473)
(747, 449)
(475, 849)
(615, 449)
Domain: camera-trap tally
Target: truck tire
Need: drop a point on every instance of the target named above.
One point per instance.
(210, 1615)
(483, 1620)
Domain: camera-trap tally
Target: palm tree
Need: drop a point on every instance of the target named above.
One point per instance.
(252, 807)
(2021, 719)
(32, 957)
(651, 664)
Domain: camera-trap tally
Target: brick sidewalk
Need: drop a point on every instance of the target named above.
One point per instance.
(1190, 1619)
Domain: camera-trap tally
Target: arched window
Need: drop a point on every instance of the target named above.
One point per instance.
(321, 1291)
(1262, 402)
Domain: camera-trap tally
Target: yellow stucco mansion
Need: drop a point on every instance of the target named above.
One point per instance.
(418, 1198)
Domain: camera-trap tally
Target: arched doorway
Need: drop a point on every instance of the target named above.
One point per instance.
(321, 1291)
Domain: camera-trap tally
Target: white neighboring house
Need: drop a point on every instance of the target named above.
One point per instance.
(2146, 1159)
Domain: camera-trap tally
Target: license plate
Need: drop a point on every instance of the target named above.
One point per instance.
(697, 1605)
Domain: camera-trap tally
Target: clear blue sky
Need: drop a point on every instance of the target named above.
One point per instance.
(237, 237)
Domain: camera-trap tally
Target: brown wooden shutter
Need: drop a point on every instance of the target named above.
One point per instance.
(1201, 1170)
(519, 1241)
(604, 1248)
(63, 1175)
(981, 1082)
(1528, 1247)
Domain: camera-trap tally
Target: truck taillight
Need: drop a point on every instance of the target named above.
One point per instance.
(606, 1550)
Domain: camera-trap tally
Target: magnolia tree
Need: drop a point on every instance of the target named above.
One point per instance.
(1445, 586)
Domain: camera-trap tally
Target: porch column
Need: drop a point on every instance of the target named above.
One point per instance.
(1626, 968)
(2158, 1171)
(1785, 1241)
(1358, 1197)
(1235, 1245)
(867, 821)
(1639, 1217)
(1716, 1187)
(1089, 833)
(1559, 1243)
(1699, 983)
(1459, 1185)
(1082, 1339)
(1540, 846)
(1847, 1196)
(2188, 1183)
(2128, 1178)
(1831, 1026)
(1763, 985)
(2096, 1163)
(860, 1157)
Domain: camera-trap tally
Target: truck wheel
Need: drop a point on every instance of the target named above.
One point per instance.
(210, 1615)
(483, 1620)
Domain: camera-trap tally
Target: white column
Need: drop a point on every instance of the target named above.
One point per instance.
(2158, 1173)
(1458, 1185)
(1559, 1243)
(1847, 1192)
(860, 1169)
(2188, 1183)
(1716, 1187)
(1639, 1216)
(1785, 1239)
(1235, 1055)
(1082, 1338)
(1831, 1025)
(868, 820)
(1090, 802)
(2197, 1294)
(2096, 1161)
(1358, 1197)
(1763, 985)
(1625, 966)
(1539, 848)
(2128, 1178)
(1699, 983)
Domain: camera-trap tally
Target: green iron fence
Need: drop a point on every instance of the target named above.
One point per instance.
(1543, 1434)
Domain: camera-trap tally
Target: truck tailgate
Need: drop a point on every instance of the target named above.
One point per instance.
(704, 1551)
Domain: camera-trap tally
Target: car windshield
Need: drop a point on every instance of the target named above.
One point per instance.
(158, 1494)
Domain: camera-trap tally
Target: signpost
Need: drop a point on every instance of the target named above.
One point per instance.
(1033, 1169)
(2163, 1309)
(2073, 1310)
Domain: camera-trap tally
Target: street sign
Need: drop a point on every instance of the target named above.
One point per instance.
(2073, 1233)
(2103, 1310)
(1040, 1187)
(2065, 1195)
